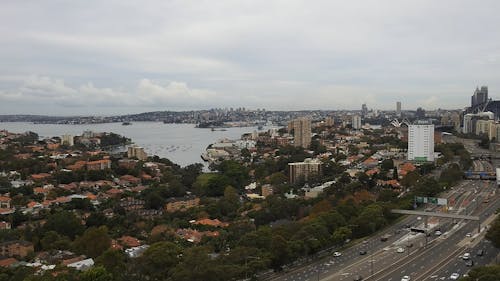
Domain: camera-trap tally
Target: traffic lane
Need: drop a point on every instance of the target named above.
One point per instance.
(372, 245)
(459, 265)
(350, 255)
(442, 250)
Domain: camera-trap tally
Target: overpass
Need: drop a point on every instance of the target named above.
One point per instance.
(439, 215)
(480, 175)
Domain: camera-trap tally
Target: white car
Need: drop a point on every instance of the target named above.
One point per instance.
(454, 276)
(405, 278)
(337, 254)
(400, 250)
(468, 235)
(466, 256)
(438, 233)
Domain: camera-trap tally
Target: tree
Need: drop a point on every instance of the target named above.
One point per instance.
(159, 260)
(93, 242)
(52, 240)
(98, 273)
(341, 234)
(484, 273)
(113, 260)
(65, 223)
(493, 233)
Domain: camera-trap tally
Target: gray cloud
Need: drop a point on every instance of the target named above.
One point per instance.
(119, 56)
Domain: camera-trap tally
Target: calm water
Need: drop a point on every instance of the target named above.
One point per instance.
(181, 143)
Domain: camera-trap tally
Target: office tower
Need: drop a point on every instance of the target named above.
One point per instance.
(364, 109)
(304, 170)
(356, 122)
(420, 113)
(302, 132)
(421, 142)
(137, 152)
(67, 140)
(480, 96)
(329, 121)
(398, 109)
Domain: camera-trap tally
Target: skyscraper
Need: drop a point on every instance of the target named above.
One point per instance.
(480, 96)
(302, 132)
(421, 142)
(356, 122)
(364, 109)
(398, 109)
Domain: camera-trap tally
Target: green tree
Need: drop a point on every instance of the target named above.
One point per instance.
(65, 223)
(93, 242)
(493, 233)
(159, 260)
(114, 261)
(341, 234)
(98, 273)
(484, 273)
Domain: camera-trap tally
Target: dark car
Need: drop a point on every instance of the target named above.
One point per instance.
(480, 252)
(362, 252)
(357, 278)
(469, 263)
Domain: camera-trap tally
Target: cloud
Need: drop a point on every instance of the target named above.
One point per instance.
(277, 54)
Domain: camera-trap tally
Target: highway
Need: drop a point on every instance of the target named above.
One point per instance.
(383, 256)
(430, 258)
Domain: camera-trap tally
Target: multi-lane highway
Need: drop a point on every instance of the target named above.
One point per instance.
(429, 258)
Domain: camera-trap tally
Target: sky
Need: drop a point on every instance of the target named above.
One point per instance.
(114, 57)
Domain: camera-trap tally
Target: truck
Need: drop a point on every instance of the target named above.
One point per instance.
(385, 237)
(498, 176)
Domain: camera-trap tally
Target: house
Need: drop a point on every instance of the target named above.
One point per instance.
(82, 265)
(16, 248)
(5, 202)
(5, 225)
(99, 165)
(7, 262)
(182, 204)
(210, 222)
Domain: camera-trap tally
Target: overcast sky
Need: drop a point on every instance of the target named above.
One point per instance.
(105, 57)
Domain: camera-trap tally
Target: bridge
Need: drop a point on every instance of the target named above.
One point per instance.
(480, 175)
(426, 215)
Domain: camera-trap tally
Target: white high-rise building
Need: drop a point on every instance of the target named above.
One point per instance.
(421, 142)
(356, 122)
(398, 109)
(68, 140)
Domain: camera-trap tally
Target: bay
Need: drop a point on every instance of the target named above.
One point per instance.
(181, 143)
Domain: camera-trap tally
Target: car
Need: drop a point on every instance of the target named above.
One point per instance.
(337, 254)
(480, 252)
(419, 218)
(400, 250)
(437, 233)
(454, 276)
(406, 278)
(468, 235)
(409, 245)
(469, 263)
(365, 242)
(362, 252)
(466, 256)
(357, 278)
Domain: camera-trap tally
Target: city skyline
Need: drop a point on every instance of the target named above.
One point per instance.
(124, 57)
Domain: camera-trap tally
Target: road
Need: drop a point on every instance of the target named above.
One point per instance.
(430, 258)
(383, 255)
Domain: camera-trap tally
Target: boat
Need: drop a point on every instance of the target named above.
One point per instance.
(126, 123)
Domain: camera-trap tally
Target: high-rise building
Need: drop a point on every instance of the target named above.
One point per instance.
(302, 132)
(398, 109)
(356, 122)
(67, 140)
(364, 109)
(421, 142)
(304, 170)
(480, 96)
(137, 152)
(329, 121)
